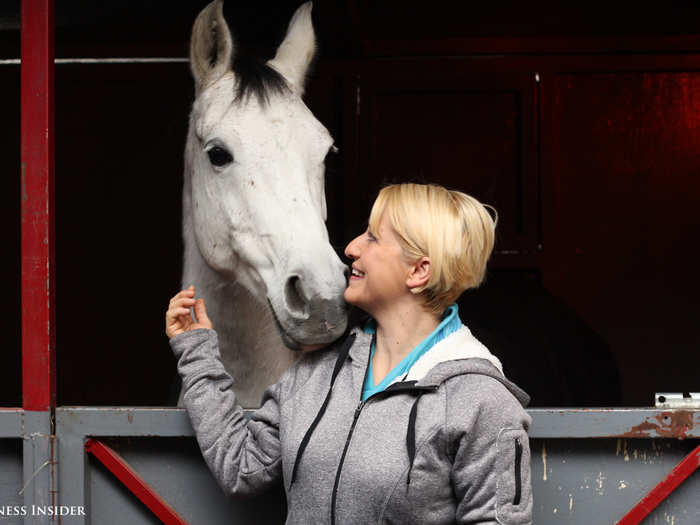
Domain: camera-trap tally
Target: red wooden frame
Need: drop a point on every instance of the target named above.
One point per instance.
(37, 202)
(660, 492)
(135, 483)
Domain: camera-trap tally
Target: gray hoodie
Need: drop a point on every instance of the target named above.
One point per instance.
(445, 444)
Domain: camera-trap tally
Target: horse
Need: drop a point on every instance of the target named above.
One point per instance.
(255, 242)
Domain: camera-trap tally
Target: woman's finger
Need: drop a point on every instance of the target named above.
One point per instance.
(178, 317)
(200, 311)
(187, 292)
(179, 312)
(175, 324)
(183, 301)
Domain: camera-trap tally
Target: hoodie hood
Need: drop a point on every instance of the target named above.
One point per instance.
(473, 365)
(460, 344)
(457, 354)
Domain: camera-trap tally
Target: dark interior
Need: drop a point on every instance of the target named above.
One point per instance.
(581, 128)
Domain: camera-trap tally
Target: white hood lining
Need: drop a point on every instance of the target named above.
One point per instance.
(458, 345)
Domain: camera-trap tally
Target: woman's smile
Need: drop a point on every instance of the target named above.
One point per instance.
(356, 274)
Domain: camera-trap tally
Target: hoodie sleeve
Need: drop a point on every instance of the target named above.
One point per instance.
(243, 455)
(489, 443)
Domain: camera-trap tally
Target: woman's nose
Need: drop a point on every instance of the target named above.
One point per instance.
(351, 250)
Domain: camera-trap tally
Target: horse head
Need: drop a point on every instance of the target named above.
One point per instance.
(254, 178)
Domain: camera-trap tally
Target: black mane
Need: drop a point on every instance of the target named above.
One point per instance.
(257, 78)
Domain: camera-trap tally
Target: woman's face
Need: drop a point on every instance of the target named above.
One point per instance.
(379, 269)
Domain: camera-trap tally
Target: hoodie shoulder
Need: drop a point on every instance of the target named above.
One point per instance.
(485, 401)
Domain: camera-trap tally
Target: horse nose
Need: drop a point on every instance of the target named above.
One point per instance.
(296, 299)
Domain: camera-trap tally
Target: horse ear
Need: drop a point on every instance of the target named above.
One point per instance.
(211, 46)
(295, 53)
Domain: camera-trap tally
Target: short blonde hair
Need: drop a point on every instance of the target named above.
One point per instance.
(452, 228)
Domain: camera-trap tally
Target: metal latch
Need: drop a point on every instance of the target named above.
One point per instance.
(677, 399)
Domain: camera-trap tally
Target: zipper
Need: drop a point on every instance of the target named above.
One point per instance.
(355, 417)
(518, 481)
(397, 388)
(342, 459)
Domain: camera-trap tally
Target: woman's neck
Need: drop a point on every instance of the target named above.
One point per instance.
(399, 331)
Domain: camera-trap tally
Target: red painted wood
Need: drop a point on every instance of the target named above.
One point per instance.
(659, 493)
(135, 483)
(37, 201)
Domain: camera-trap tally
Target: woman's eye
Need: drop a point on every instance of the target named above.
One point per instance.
(219, 157)
(371, 236)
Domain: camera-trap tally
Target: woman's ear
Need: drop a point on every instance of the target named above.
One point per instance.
(418, 274)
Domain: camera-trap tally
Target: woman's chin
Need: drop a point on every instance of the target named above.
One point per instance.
(353, 300)
(349, 296)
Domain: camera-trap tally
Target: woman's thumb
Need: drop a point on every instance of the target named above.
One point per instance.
(200, 311)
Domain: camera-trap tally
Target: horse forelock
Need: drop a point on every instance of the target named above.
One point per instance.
(255, 78)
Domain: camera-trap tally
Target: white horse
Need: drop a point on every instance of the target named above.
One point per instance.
(254, 207)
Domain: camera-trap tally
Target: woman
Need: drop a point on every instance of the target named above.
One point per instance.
(408, 419)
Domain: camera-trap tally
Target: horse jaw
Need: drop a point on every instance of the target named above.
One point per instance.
(251, 348)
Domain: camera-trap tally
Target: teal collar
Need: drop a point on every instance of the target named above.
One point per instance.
(450, 323)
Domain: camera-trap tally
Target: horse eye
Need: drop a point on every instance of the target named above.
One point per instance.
(219, 157)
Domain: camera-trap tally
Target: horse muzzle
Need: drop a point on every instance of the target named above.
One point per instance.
(304, 318)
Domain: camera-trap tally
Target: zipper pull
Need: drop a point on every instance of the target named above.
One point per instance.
(359, 408)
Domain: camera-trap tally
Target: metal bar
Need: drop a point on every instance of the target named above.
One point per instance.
(142, 490)
(73, 475)
(39, 468)
(546, 422)
(37, 196)
(661, 491)
(114, 60)
(614, 423)
(11, 422)
(125, 421)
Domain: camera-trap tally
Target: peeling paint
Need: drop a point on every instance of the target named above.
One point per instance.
(627, 456)
(600, 480)
(623, 485)
(571, 502)
(544, 461)
(555, 510)
(667, 424)
(619, 446)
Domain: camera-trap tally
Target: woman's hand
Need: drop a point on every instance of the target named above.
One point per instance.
(178, 318)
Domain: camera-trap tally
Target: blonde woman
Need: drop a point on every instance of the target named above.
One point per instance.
(408, 419)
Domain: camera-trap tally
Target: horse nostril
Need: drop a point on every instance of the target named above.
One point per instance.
(294, 295)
